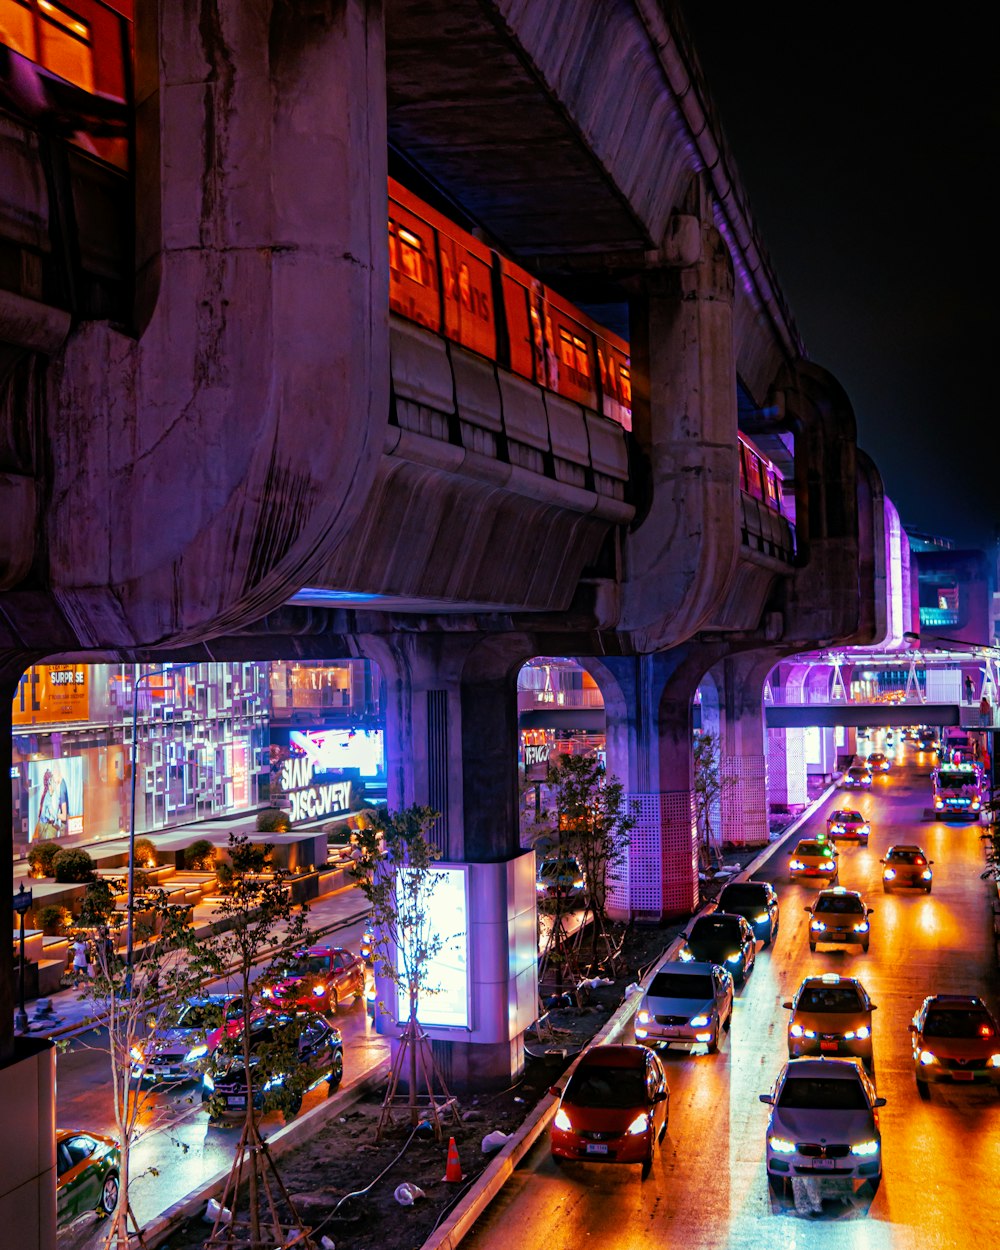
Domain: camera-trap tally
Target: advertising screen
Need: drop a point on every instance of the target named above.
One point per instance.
(444, 1001)
(330, 750)
(55, 798)
(51, 693)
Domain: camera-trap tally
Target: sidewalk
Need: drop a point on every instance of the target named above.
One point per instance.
(72, 1010)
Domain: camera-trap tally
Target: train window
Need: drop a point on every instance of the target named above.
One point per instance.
(66, 46)
(743, 467)
(566, 352)
(411, 255)
(770, 485)
(625, 377)
(17, 28)
(582, 357)
(753, 474)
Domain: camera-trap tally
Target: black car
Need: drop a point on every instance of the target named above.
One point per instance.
(294, 1054)
(724, 939)
(757, 903)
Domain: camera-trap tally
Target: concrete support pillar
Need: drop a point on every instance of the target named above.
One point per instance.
(786, 767)
(647, 703)
(742, 760)
(451, 737)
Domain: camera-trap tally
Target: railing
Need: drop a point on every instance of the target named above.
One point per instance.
(527, 700)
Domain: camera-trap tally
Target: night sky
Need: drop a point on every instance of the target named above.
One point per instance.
(869, 151)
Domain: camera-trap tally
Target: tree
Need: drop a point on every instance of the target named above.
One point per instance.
(200, 855)
(133, 1002)
(72, 865)
(709, 786)
(594, 827)
(396, 874)
(257, 927)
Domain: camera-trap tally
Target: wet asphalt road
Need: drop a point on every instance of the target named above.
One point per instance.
(708, 1189)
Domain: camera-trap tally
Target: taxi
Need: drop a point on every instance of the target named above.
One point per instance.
(847, 823)
(87, 1170)
(831, 1015)
(839, 918)
(813, 859)
(906, 866)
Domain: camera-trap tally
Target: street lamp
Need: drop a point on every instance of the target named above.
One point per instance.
(22, 901)
(133, 761)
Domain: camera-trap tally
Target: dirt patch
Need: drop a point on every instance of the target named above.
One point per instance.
(344, 1157)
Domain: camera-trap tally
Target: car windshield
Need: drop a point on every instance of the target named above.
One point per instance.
(858, 772)
(559, 868)
(846, 815)
(954, 778)
(906, 857)
(840, 903)
(958, 1023)
(200, 1016)
(607, 1087)
(677, 985)
(743, 895)
(812, 848)
(712, 928)
(830, 998)
(309, 964)
(822, 1094)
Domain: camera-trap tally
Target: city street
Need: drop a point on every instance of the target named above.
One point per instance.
(177, 1140)
(708, 1188)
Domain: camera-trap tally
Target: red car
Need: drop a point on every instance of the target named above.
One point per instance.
(317, 979)
(614, 1109)
(847, 823)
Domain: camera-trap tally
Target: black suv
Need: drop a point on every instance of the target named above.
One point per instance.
(757, 903)
(723, 939)
(294, 1054)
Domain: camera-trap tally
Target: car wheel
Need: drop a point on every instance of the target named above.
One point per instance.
(108, 1202)
(886, 889)
(333, 1002)
(923, 1089)
(928, 890)
(729, 1021)
(647, 1163)
(864, 947)
(812, 947)
(777, 1185)
(663, 1126)
(713, 1045)
(336, 1070)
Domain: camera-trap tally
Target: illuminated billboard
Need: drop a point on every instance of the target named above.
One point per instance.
(331, 750)
(444, 998)
(55, 798)
(52, 693)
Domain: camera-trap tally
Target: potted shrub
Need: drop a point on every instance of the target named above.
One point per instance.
(40, 858)
(145, 853)
(272, 820)
(73, 865)
(52, 919)
(200, 856)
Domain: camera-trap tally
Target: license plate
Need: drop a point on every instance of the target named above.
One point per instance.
(829, 1046)
(596, 1148)
(236, 1100)
(964, 1076)
(824, 1163)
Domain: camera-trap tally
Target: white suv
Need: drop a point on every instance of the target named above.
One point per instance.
(824, 1122)
(686, 1003)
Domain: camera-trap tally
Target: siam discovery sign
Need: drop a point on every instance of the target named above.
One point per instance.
(311, 799)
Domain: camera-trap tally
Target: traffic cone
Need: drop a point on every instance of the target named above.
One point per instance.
(453, 1172)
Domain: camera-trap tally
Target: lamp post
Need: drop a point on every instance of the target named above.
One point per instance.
(133, 760)
(22, 901)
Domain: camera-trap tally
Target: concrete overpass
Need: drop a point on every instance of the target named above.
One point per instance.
(220, 443)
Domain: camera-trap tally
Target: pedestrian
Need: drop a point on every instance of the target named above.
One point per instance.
(81, 961)
(985, 710)
(969, 689)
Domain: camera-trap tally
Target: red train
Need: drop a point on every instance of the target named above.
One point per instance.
(444, 279)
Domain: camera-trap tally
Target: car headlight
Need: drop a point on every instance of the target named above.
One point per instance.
(698, 1022)
(796, 1030)
(137, 1055)
(836, 828)
(927, 1057)
(267, 992)
(849, 1036)
(562, 1121)
(207, 1083)
(734, 959)
(275, 1082)
(319, 990)
(810, 1032)
(826, 865)
(863, 927)
(539, 887)
(796, 865)
(686, 955)
(865, 829)
(639, 1124)
(819, 926)
(889, 874)
(196, 1052)
(863, 1032)
(926, 875)
(865, 1148)
(995, 1061)
(643, 1017)
(761, 918)
(578, 883)
(781, 1145)
(938, 802)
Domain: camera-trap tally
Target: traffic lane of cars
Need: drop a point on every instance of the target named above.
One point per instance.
(708, 1186)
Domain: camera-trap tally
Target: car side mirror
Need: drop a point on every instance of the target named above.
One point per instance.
(871, 911)
(660, 1096)
(787, 1006)
(912, 1027)
(881, 861)
(879, 1102)
(930, 861)
(768, 1098)
(807, 910)
(873, 1006)
(555, 1091)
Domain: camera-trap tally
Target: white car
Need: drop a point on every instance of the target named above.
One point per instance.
(686, 1004)
(824, 1122)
